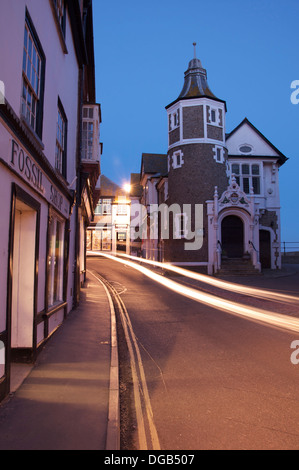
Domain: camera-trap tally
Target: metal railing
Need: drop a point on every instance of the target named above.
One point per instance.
(289, 248)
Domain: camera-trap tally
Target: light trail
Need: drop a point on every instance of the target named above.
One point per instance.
(234, 308)
(240, 289)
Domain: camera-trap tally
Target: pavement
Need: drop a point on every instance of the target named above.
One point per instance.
(69, 399)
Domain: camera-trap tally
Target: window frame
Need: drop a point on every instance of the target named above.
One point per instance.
(243, 178)
(61, 146)
(174, 120)
(55, 291)
(177, 159)
(26, 80)
(181, 221)
(60, 10)
(105, 202)
(122, 209)
(89, 135)
(218, 122)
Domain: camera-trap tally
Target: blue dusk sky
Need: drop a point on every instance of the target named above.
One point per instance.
(250, 50)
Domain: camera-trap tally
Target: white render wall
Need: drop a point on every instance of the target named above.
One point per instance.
(61, 74)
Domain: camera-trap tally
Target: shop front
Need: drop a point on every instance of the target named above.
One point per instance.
(36, 282)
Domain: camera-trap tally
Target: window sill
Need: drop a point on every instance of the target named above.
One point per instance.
(55, 308)
(32, 134)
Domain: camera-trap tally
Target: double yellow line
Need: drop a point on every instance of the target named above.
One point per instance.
(143, 408)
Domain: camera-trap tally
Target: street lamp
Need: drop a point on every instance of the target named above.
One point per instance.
(127, 188)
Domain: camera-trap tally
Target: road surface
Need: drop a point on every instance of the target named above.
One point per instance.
(214, 380)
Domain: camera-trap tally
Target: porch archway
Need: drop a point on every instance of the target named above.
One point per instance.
(232, 235)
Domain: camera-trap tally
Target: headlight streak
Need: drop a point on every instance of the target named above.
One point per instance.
(240, 289)
(261, 316)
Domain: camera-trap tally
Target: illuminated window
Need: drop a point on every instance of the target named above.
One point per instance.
(122, 209)
(103, 207)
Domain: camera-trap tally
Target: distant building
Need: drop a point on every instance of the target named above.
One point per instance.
(234, 177)
(110, 229)
(49, 166)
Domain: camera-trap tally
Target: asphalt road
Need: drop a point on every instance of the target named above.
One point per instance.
(215, 380)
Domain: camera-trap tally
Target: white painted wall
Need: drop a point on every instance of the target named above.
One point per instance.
(61, 69)
(246, 135)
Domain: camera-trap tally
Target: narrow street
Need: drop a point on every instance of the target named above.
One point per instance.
(214, 380)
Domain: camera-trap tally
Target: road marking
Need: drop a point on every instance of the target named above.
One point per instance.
(113, 427)
(141, 394)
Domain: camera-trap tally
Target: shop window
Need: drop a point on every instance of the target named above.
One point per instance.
(55, 260)
(33, 78)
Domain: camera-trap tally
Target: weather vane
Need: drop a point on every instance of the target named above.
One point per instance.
(194, 44)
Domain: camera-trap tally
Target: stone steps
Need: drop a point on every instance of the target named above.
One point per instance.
(237, 267)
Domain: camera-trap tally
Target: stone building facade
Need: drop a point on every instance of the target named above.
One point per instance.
(232, 176)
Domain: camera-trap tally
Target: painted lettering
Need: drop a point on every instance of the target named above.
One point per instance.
(56, 198)
(14, 151)
(34, 176)
(26, 166)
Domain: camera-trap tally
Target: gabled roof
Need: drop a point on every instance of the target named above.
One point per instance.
(136, 187)
(110, 189)
(276, 153)
(154, 164)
